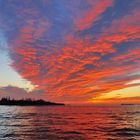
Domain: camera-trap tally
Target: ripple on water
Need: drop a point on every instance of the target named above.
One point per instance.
(70, 123)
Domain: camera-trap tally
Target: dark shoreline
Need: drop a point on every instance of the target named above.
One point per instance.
(27, 102)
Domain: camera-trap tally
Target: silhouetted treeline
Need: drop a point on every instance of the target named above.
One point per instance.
(25, 102)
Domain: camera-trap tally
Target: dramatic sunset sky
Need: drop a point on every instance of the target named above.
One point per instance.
(71, 51)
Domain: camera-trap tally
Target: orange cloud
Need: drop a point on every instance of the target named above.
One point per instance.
(125, 100)
(78, 67)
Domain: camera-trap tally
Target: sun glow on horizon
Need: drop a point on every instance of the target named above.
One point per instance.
(122, 95)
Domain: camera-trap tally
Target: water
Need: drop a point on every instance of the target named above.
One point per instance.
(70, 123)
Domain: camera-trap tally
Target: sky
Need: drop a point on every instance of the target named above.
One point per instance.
(70, 51)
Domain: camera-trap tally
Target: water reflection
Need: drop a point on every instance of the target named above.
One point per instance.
(70, 123)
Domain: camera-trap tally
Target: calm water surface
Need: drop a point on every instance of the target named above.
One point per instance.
(70, 123)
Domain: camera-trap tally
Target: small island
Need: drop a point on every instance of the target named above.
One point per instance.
(27, 102)
(127, 104)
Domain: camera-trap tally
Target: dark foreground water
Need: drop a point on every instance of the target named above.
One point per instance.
(70, 123)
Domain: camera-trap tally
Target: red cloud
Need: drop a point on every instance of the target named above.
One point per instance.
(78, 67)
(96, 8)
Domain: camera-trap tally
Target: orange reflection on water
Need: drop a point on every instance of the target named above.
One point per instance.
(70, 122)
